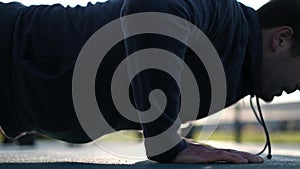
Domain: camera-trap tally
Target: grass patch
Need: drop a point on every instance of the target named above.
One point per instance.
(254, 136)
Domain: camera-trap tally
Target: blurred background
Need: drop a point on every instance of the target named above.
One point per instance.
(253, 3)
(235, 124)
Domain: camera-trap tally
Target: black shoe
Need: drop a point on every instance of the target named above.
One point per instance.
(27, 140)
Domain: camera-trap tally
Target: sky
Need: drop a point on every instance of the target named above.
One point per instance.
(252, 3)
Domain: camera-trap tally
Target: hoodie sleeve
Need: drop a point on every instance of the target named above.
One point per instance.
(223, 22)
(161, 132)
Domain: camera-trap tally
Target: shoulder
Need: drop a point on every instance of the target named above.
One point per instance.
(181, 8)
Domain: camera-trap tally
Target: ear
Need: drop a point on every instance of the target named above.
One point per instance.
(282, 38)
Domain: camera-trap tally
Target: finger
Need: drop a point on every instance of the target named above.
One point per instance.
(250, 157)
(221, 155)
(211, 157)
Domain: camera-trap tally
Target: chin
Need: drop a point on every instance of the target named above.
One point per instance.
(267, 98)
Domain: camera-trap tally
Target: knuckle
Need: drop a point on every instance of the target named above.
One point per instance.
(220, 152)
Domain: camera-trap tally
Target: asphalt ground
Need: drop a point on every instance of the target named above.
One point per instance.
(126, 155)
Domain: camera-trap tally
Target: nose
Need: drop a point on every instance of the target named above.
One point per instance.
(292, 90)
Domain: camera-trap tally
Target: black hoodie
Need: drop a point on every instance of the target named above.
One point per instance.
(39, 46)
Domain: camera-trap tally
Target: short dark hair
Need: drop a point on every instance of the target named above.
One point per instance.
(278, 13)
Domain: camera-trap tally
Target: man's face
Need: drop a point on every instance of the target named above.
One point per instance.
(278, 75)
(280, 69)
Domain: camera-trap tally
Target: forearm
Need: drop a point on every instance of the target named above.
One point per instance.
(162, 141)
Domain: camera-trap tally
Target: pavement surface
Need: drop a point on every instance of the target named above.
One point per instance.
(126, 155)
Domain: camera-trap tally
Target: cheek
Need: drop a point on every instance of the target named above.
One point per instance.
(294, 79)
(273, 74)
(283, 70)
(273, 78)
(290, 74)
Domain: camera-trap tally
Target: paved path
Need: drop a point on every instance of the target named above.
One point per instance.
(52, 154)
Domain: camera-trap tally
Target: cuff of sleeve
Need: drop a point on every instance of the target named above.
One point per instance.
(169, 155)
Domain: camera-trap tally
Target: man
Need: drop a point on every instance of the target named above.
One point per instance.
(39, 46)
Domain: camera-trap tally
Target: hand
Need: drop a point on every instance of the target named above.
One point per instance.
(196, 153)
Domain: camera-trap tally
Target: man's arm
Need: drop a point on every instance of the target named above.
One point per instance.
(184, 151)
(161, 132)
